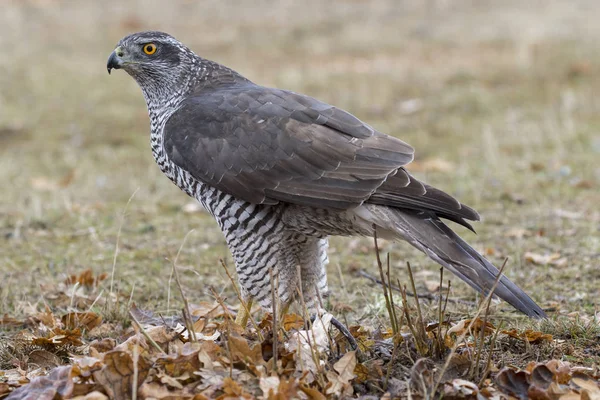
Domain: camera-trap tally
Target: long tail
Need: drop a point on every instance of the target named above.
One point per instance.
(428, 233)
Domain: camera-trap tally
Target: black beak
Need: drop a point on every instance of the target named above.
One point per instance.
(114, 61)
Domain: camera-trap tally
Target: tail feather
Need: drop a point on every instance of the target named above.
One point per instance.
(429, 234)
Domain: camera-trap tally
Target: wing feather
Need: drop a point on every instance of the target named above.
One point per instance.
(267, 145)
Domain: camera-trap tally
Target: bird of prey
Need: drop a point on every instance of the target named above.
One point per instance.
(281, 172)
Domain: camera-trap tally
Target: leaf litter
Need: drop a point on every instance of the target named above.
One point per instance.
(77, 354)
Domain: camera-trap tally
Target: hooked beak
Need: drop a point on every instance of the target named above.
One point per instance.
(115, 61)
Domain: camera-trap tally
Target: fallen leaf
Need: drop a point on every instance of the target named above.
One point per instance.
(313, 394)
(269, 385)
(529, 335)
(432, 286)
(116, 377)
(240, 350)
(9, 322)
(460, 389)
(422, 375)
(103, 345)
(292, 321)
(84, 366)
(60, 337)
(44, 359)
(83, 320)
(95, 395)
(461, 327)
(304, 342)
(86, 278)
(58, 384)
(177, 365)
(340, 382)
(514, 383)
(561, 370)
(588, 384)
(432, 165)
(4, 389)
(541, 259)
(287, 389)
(517, 233)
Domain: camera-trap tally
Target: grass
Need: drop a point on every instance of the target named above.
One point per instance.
(499, 100)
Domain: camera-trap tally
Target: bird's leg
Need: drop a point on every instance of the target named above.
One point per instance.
(243, 314)
(284, 310)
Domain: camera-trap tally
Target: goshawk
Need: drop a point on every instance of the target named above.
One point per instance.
(281, 172)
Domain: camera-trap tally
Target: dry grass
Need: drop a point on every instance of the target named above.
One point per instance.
(500, 100)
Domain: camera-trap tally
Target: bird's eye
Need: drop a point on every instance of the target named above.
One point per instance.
(150, 48)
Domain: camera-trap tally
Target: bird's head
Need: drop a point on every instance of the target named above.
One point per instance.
(157, 61)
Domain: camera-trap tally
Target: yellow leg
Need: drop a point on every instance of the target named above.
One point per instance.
(243, 315)
(284, 310)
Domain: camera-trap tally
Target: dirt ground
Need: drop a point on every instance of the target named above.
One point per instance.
(499, 99)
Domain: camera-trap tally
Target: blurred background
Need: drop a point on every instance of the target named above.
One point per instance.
(499, 98)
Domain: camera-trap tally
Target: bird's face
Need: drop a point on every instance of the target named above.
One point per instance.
(156, 60)
(146, 52)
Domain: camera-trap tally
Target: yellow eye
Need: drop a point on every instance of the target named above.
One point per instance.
(150, 48)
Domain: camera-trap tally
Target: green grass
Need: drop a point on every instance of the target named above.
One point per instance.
(508, 100)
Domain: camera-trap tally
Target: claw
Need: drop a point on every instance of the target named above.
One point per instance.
(343, 330)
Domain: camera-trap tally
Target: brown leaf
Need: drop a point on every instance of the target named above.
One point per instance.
(84, 366)
(82, 320)
(529, 335)
(116, 377)
(541, 376)
(240, 350)
(313, 394)
(460, 389)
(546, 259)
(4, 389)
(9, 322)
(362, 373)
(46, 318)
(292, 321)
(422, 375)
(207, 310)
(86, 278)
(103, 345)
(345, 366)
(161, 334)
(587, 384)
(432, 165)
(287, 389)
(58, 384)
(44, 359)
(517, 233)
(177, 365)
(461, 327)
(513, 383)
(340, 382)
(561, 371)
(95, 395)
(233, 389)
(60, 337)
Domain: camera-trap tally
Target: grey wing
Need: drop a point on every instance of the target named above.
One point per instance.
(266, 145)
(418, 196)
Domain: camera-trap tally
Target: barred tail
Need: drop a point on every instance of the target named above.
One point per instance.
(428, 233)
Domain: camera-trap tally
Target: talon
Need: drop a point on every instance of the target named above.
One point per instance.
(343, 330)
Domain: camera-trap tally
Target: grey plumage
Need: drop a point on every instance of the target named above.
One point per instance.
(281, 172)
